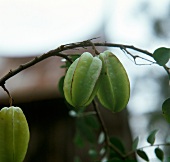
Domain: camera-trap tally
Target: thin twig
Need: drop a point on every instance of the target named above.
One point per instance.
(136, 56)
(10, 97)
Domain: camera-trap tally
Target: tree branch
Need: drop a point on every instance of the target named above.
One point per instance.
(107, 140)
(57, 52)
(36, 60)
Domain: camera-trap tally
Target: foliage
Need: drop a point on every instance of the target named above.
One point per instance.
(90, 127)
(166, 109)
(114, 149)
(162, 55)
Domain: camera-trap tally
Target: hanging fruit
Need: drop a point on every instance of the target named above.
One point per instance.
(14, 134)
(82, 80)
(114, 90)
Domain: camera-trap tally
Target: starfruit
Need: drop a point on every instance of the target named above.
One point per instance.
(14, 135)
(114, 90)
(82, 80)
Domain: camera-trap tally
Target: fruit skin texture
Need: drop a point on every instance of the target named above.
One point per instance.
(14, 135)
(82, 80)
(114, 90)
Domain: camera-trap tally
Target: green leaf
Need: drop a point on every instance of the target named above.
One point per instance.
(66, 65)
(92, 121)
(60, 85)
(86, 131)
(135, 143)
(63, 66)
(159, 154)
(142, 154)
(78, 140)
(166, 109)
(75, 56)
(162, 55)
(151, 137)
(119, 145)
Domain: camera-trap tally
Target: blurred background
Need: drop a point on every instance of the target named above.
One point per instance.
(31, 28)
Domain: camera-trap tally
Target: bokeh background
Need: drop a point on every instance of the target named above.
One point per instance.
(31, 28)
